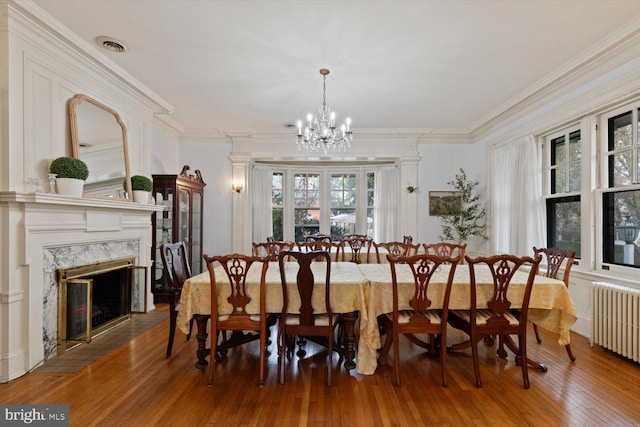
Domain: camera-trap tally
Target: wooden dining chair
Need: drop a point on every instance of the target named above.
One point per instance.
(446, 249)
(235, 268)
(318, 238)
(360, 246)
(176, 268)
(423, 317)
(271, 249)
(394, 249)
(306, 320)
(497, 319)
(334, 248)
(553, 259)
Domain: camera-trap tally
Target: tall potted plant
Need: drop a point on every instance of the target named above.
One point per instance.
(469, 218)
(70, 175)
(141, 187)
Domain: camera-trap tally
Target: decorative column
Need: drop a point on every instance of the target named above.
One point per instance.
(408, 218)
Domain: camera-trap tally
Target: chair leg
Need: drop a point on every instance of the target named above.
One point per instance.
(263, 351)
(535, 330)
(282, 352)
(330, 357)
(212, 354)
(476, 360)
(190, 329)
(443, 356)
(396, 356)
(522, 343)
(385, 348)
(173, 314)
(570, 353)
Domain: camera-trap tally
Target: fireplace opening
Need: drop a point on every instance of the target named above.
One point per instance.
(95, 298)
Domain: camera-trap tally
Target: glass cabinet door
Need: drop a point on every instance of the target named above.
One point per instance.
(184, 216)
(196, 221)
(163, 232)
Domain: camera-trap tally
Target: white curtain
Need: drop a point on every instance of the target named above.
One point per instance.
(262, 217)
(386, 203)
(517, 207)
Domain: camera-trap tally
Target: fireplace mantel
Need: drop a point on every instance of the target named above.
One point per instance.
(45, 232)
(81, 202)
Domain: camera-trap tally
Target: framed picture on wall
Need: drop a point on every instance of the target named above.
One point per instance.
(444, 202)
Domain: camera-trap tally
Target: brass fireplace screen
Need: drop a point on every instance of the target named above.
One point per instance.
(94, 298)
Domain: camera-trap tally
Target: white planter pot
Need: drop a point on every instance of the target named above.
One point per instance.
(70, 186)
(140, 196)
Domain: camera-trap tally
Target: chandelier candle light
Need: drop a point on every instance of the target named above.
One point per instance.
(320, 132)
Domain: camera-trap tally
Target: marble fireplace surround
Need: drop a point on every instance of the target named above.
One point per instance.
(51, 232)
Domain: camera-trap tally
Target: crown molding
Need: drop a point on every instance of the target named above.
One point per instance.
(570, 76)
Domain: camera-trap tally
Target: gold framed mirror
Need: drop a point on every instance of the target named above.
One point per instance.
(99, 138)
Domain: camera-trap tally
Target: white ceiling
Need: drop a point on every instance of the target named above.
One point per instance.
(249, 66)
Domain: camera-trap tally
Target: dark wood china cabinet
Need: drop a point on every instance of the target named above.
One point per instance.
(181, 220)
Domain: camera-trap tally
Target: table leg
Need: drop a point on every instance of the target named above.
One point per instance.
(349, 322)
(201, 336)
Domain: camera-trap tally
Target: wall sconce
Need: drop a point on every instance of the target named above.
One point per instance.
(237, 188)
(411, 189)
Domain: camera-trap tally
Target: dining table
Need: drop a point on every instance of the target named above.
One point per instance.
(362, 292)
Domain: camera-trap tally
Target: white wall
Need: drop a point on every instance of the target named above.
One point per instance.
(212, 158)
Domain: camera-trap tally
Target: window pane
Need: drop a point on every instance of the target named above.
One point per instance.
(277, 224)
(620, 239)
(563, 219)
(574, 146)
(349, 198)
(560, 180)
(307, 221)
(638, 166)
(620, 169)
(370, 220)
(277, 180)
(276, 198)
(343, 221)
(620, 131)
(574, 177)
(557, 151)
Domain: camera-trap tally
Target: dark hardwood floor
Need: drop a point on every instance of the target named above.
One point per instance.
(136, 385)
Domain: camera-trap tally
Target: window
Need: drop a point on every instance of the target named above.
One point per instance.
(343, 205)
(621, 198)
(306, 200)
(371, 186)
(277, 204)
(563, 154)
(326, 200)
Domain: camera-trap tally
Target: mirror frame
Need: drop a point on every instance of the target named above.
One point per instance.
(75, 143)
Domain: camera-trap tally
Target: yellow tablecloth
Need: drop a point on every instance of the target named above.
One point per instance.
(550, 305)
(348, 287)
(367, 288)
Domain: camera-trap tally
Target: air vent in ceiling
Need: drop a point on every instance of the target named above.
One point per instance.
(111, 44)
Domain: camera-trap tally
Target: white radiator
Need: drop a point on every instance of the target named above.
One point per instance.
(616, 319)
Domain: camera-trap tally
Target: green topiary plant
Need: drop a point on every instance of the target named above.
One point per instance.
(69, 167)
(139, 182)
(469, 219)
